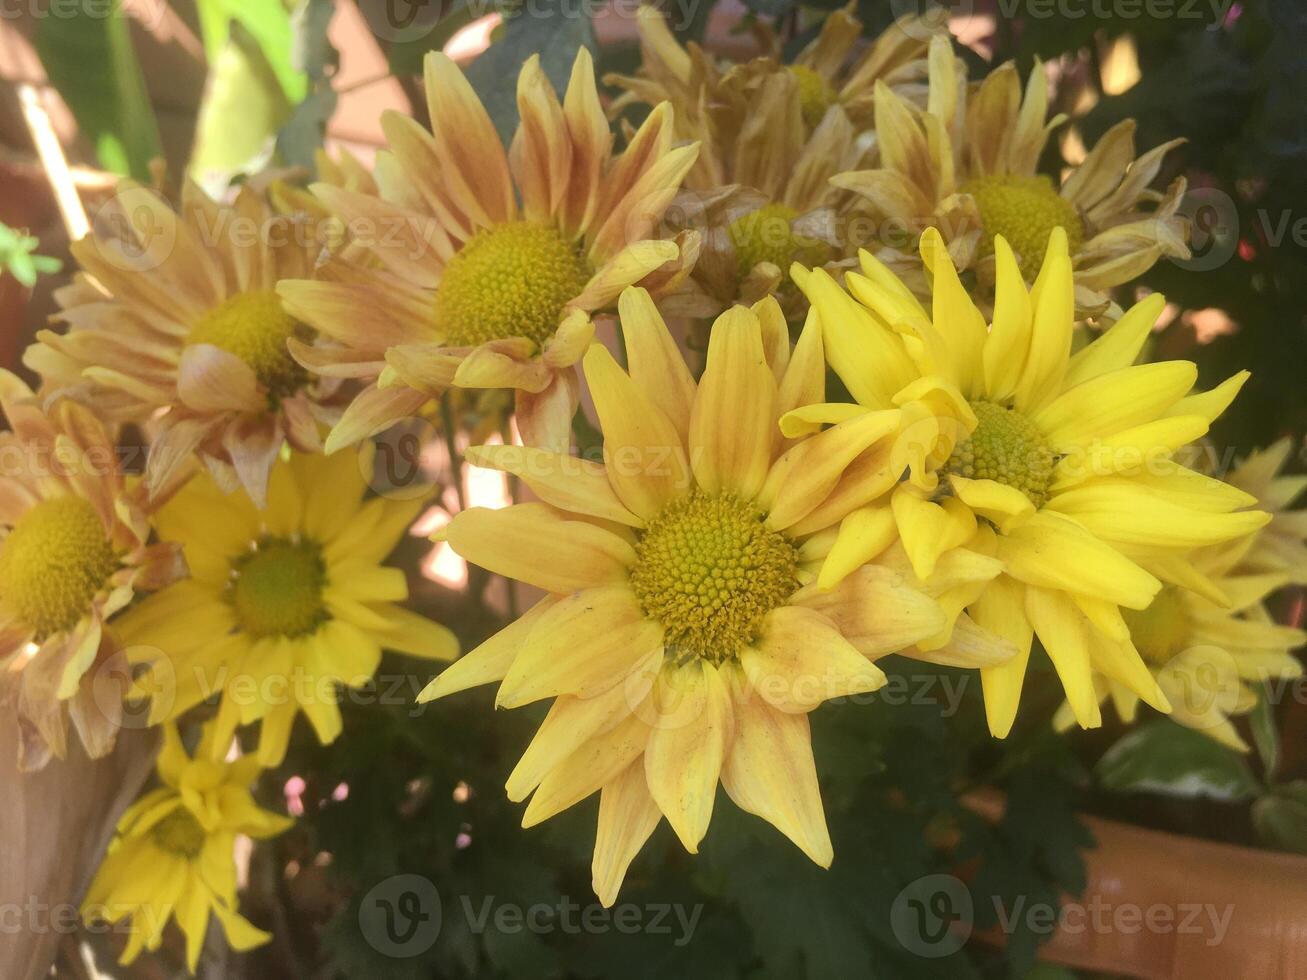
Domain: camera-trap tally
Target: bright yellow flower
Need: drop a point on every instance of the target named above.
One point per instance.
(769, 146)
(74, 550)
(1057, 465)
(966, 164)
(176, 322)
(173, 855)
(1204, 655)
(283, 604)
(682, 638)
(464, 285)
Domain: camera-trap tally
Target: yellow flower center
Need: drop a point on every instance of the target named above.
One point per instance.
(815, 93)
(512, 280)
(709, 570)
(1163, 629)
(1007, 448)
(277, 589)
(255, 327)
(179, 833)
(54, 561)
(1024, 210)
(767, 235)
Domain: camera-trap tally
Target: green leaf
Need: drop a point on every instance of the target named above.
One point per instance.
(90, 60)
(1266, 736)
(303, 133)
(243, 107)
(552, 29)
(1166, 758)
(1280, 818)
(268, 22)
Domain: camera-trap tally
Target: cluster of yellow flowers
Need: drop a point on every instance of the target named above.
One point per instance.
(746, 550)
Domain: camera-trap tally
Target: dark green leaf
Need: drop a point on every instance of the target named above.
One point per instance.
(1166, 758)
(90, 60)
(553, 29)
(1281, 822)
(1266, 736)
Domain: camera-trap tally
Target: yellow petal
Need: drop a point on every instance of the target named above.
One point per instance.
(490, 661)
(1053, 301)
(769, 772)
(876, 609)
(530, 543)
(656, 363)
(1007, 507)
(929, 529)
(642, 449)
(800, 660)
(1009, 337)
(863, 535)
(596, 763)
(688, 741)
(1054, 552)
(586, 644)
(1109, 403)
(566, 482)
(733, 424)
(1120, 344)
(1064, 633)
(627, 817)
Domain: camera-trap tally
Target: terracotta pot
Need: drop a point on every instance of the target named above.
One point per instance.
(1162, 906)
(56, 825)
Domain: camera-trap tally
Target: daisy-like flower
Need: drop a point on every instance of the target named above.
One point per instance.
(486, 265)
(173, 857)
(1204, 655)
(966, 164)
(175, 321)
(761, 190)
(283, 605)
(682, 639)
(1058, 465)
(74, 549)
(716, 104)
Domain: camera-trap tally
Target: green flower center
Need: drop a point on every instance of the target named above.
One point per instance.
(277, 589)
(254, 326)
(709, 570)
(815, 93)
(179, 833)
(1163, 629)
(1024, 210)
(767, 235)
(512, 280)
(52, 564)
(1007, 448)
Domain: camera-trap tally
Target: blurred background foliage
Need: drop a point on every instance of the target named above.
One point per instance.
(416, 790)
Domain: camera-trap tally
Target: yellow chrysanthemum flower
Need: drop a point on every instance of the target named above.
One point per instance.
(1204, 655)
(74, 550)
(761, 189)
(173, 856)
(175, 321)
(682, 638)
(467, 286)
(1057, 465)
(966, 164)
(282, 605)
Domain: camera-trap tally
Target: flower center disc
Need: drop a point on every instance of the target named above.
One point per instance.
(512, 280)
(1007, 448)
(1162, 630)
(1024, 210)
(277, 589)
(767, 235)
(54, 561)
(255, 328)
(815, 93)
(179, 833)
(709, 570)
